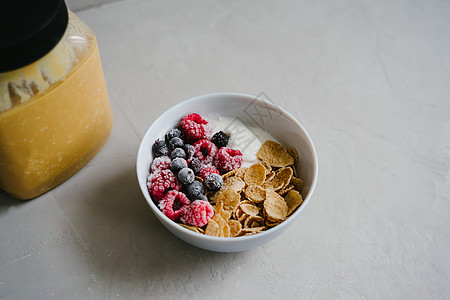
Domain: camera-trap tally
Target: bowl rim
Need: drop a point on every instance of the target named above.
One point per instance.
(195, 235)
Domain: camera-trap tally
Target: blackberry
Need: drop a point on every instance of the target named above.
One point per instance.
(213, 182)
(177, 164)
(178, 152)
(220, 139)
(190, 150)
(160, 148)
(186, 176)
(176, 142)
(196, 165)
(173, 133)
(195, 190)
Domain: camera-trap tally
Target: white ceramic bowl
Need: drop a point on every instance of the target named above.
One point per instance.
(251, 111)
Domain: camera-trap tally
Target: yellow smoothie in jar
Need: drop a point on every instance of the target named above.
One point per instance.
(48, 137)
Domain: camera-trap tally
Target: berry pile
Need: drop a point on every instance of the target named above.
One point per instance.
(182, 157)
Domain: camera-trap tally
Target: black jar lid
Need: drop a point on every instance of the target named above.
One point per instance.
(29, 29)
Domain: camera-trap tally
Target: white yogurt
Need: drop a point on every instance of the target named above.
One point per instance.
(248, 139)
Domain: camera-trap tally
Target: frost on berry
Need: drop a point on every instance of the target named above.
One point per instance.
(206, 170)
(159, 183)
(198, 213)
(205, 151)
(160, 148)
(220, 139)
(195, 127)
(195, 164)
(173, 203)
(213, 182)
(160, 163)
(228, 159)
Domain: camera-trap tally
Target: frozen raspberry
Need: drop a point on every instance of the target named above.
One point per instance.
(198, 213)
(205, 151)
(220, 139)
(160, 148)
(196, 165)
(173, 204)
(173, 133)
(161, 182)
(213, 182)
(228, 159)
(160, 163)
(206, 170)
(194, 127)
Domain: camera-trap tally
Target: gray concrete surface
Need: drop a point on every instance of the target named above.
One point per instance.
(80, 5)
(368, 79)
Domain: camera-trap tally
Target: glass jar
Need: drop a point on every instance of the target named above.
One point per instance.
(55, 114)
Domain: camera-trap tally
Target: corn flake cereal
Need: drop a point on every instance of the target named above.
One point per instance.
(256, 198)
(274, 154)
(193, 228)
(293, 152)
(281, 179)
(249, 209)
(286, 189)
(272, 224)
(256, 221)
(297, 183)
(275, 207)
(241, 172)
(256, 174)
(235, 227)
(255, 193)
(235, 183)
(212, 228)
(218, 209)
(267, 166)
(270, 176)
(224, 228)
(230, 199)
(252, 230)
(293, 200)
(229, 174)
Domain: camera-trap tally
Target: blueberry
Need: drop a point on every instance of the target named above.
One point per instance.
(186, 176)
(177, 164)
(213, 182)
(203, 197)
(195, 190)
(178, 152)
(173, 133)
(160, 148)
(176, 142)
(220, 139)
(196, 165)
(190, 150)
